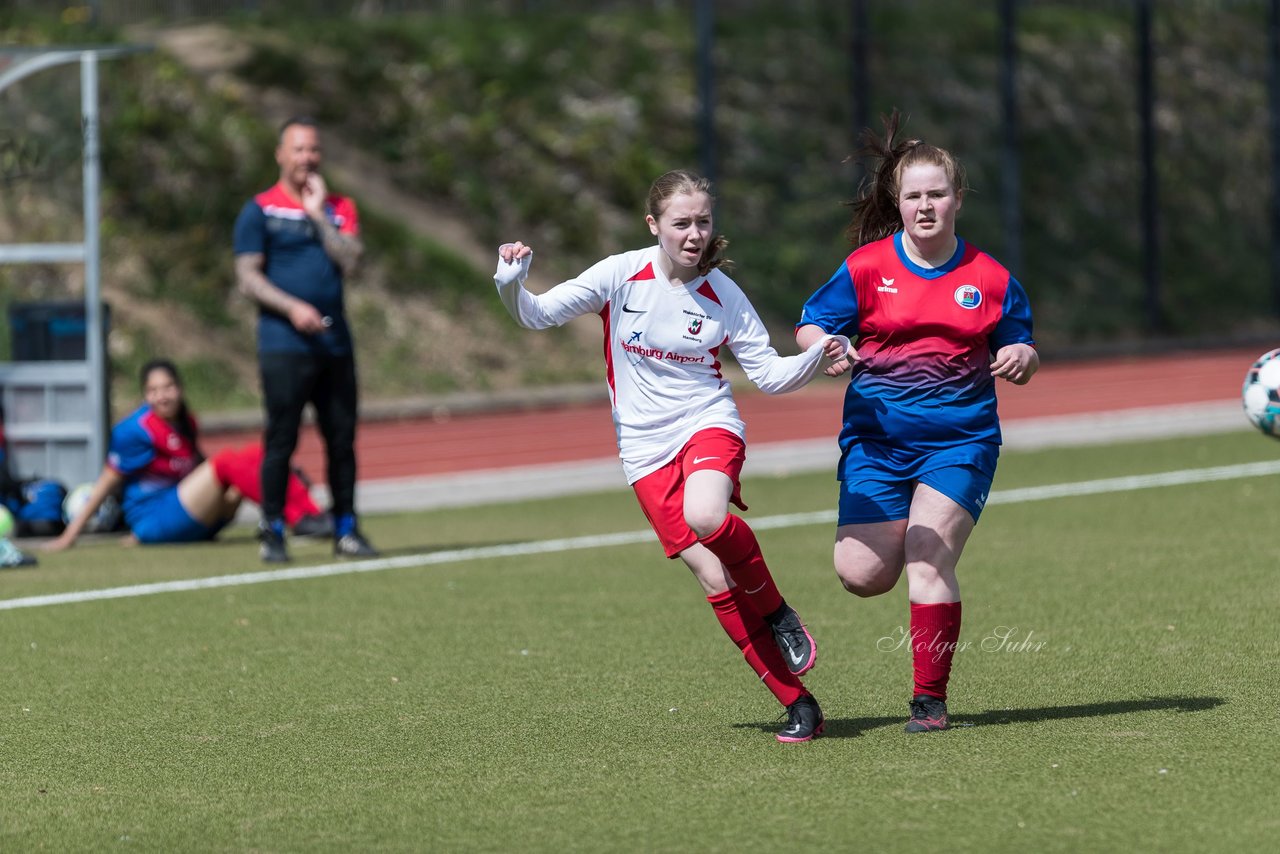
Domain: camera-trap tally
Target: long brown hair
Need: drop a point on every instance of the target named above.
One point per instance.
(681, 181)
(875, 211)
(186, 425)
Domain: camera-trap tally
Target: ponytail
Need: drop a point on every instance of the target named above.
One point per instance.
(875, 211)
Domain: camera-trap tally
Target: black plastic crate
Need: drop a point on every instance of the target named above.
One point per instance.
(50, 331)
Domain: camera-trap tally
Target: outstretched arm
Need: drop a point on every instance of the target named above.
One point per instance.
(808, 334)
(772, 373)
(775, 374)
(108, 482)
(556, 307)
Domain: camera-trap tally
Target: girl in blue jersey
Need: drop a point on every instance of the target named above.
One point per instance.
(936, 322)
(171, 494)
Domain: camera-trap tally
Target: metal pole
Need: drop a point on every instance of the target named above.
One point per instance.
(93, 343)
(1011, 167)
(705, 25)
(1150, 203)
(860, 109)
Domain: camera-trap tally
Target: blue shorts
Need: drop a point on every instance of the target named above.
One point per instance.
(163, 519)
(880, 489)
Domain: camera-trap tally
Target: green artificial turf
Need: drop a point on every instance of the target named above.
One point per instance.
(1115, 689)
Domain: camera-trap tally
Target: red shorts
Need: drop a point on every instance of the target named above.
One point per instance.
(661, 492)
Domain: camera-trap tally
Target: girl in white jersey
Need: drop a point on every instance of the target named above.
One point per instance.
(667, 311)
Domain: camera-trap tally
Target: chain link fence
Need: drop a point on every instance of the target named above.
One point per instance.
(1125, 233)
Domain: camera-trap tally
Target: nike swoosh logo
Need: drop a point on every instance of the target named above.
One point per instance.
(697, 460)
(758, 589)
(795, 659)
(629, 310)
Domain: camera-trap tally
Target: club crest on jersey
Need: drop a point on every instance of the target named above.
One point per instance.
(967, 296)
(695, 326)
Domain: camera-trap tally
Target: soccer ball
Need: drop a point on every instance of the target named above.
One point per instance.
(105, 518)
(1261, 394)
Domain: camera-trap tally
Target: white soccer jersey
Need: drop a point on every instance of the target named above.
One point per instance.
(662, 349)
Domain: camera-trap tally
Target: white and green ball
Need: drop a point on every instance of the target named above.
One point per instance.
(1261, 394)
(105, 518)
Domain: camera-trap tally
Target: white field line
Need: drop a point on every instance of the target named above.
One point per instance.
(791, 520)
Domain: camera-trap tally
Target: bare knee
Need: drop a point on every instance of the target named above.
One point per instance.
(865, 586)
(865, 577)
(704, 521)
(869, 558)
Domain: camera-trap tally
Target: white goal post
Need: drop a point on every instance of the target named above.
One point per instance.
(56, 412)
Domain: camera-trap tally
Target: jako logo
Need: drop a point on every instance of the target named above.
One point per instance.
(967, 296)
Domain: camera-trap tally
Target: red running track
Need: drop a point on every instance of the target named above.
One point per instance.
(427, 446)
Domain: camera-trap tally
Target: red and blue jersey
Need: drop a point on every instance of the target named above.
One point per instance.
(151, 454)
(925, 340)
(275, 226)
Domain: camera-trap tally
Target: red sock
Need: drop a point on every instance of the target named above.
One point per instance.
(746, 629)
(935, 631)
(242, 468)
(739, 550)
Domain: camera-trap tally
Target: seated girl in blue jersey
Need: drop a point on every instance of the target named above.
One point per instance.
(667, 311)
(172, 494)
(937, 322)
